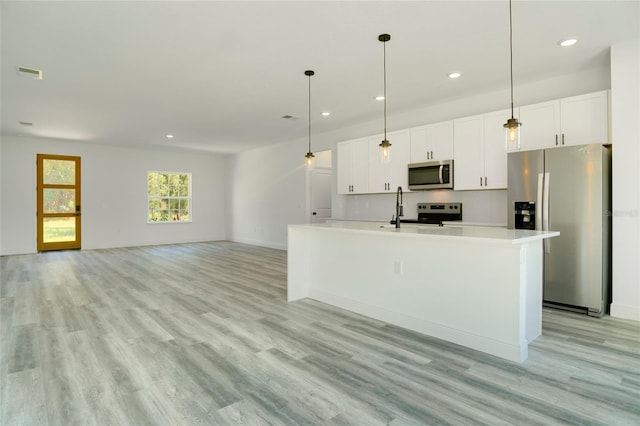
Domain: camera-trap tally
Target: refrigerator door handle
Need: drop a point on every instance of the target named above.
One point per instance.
(539, 202)
(545, 211)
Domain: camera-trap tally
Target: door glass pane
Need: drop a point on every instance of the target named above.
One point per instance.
(58, 172)
(59, 229)
(59, 200)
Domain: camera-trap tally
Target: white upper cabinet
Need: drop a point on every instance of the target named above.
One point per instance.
(353, 166)
(476, 144)
(388, 177)
(576, 120)
(540, 125)
(585, 119)
(495, 149)
(468, 152)
(480, 156)
(432, 142)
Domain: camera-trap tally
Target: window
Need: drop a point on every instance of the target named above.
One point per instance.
(169, 197)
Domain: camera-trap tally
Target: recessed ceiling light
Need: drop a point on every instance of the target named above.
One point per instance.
(169, 136)
(326, 113)
(380, 98)
(568, 42)
(455, 75)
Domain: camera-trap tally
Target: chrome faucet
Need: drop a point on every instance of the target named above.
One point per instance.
(399, 206)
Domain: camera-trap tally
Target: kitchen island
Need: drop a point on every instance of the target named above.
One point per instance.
(479, 287)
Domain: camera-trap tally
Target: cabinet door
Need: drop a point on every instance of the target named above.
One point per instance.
(360, 165)
(420, 151)
(585, 119)
(379, 173)
(468, 152)
(400, 153)
(387, 177)
(353, 166)
(540, 125)
(440, 140)
(495, 149)
(345, 167)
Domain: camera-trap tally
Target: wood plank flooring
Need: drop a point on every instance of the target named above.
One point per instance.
(202, 334)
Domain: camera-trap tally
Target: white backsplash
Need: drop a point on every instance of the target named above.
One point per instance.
(477, 206)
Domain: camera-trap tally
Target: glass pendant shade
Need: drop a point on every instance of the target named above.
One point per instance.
(308, 160)
(385, 151)
(512, 134)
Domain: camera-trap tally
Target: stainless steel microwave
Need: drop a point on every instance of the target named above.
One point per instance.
(431, 175)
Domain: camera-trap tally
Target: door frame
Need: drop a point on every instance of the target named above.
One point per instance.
(40, 215)
(323, 163)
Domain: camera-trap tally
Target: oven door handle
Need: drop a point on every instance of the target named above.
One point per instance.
(440, 173)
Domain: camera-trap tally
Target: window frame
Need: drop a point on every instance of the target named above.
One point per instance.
(170, 198)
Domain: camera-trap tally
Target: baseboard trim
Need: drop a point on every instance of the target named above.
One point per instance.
(625, 311)
(259, 243)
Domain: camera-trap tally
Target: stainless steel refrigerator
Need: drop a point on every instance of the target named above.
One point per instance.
(567, 189)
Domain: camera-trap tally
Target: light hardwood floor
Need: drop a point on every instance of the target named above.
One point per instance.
(202, 334)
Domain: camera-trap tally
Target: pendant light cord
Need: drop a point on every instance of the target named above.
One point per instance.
(384, 73)
(511, 54)
(309, 113)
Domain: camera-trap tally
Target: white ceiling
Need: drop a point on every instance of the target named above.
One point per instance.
(220, 75)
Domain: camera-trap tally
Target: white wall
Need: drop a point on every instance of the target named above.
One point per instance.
(625, 100)
(268, 193)
(114, 194)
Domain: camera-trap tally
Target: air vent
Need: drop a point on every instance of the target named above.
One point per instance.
(25, 123)
(290, 117)
(30, 72)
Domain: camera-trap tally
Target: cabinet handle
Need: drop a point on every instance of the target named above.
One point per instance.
(480, 180)
(563, 139)
(485, 181)
(432, 155)
(556, 140)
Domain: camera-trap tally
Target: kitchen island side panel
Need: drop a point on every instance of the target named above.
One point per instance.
(482, 295)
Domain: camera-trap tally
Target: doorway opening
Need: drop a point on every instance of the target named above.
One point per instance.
(320, 188)
(58, 202)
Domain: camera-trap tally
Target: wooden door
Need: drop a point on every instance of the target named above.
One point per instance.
(58, 202)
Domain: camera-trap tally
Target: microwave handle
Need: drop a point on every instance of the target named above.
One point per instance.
(440, 173)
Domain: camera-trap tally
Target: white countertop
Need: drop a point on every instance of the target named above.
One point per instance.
(459, 232)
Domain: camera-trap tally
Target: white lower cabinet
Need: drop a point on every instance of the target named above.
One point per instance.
(480, 155)
(353, 166)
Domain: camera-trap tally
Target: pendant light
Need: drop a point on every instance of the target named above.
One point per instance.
(512, 126)
(385, 145)
(309, 157)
